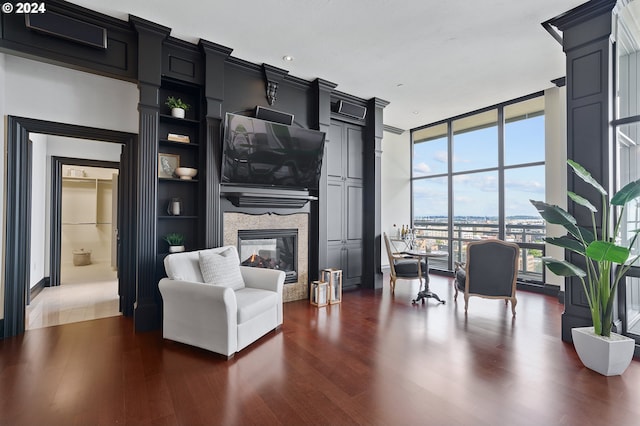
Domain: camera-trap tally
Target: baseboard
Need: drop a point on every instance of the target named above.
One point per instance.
(548, 289)
(1, 328)
(36, 289)
(146, 317)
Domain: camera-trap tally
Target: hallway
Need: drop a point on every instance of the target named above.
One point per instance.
(90, 293)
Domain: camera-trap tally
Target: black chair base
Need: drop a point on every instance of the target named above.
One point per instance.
(426, 294)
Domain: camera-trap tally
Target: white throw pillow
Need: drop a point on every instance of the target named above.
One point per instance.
(221, 269)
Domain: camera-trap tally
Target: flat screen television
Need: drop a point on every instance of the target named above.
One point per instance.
(266, 154)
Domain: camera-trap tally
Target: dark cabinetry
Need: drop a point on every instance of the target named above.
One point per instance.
(345, 175)
(185, 154)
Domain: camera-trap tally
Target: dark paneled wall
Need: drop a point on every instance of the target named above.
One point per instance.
(118, 60)
(144, 52)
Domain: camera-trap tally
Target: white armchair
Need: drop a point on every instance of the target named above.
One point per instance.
(221, 318)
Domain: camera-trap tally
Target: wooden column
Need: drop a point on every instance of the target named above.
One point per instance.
(589, 54)
(150, 38)
(215, 57)
(318, 216)
(372, 273)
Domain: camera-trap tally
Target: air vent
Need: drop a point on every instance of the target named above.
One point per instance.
(352, 110)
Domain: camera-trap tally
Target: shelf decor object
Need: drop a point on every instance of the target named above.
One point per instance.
(167, 165)
(175, 207)
(174, 137)
(333, 277)
(177, 106)
(319, 295)
(176, 242)
(185, 173)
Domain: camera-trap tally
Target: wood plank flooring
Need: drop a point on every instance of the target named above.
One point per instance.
(372, 360)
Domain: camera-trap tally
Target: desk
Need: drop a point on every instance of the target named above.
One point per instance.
(425, 255)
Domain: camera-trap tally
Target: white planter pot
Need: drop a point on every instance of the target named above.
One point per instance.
(177, 112)
(609, 356)
(176, 249)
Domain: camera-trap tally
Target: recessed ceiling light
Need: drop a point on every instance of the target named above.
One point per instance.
(287, 58)
(399, 85)
(416, 112)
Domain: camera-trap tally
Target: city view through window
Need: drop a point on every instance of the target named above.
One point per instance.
(472, 179)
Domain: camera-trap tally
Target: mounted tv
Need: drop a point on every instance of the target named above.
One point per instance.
(262, 153)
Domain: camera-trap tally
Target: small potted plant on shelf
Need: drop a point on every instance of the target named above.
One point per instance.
(606, 262)
(176, 242)
(177, 106)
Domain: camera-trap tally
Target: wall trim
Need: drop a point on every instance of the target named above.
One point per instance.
(55, 229)
(18, 214)
(394, 130)
(561, 296)
(36, 289)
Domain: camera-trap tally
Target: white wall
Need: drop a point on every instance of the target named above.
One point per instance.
(47, 92)
(396, 185)
(38, 208)
(555, 105)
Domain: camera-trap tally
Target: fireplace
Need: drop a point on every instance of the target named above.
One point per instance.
(271, 249)
(234, 222)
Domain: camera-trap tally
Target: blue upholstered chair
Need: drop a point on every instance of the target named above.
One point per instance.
(403, 267)
(491, 271)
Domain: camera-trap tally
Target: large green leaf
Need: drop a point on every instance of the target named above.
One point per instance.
(583, 174)
(608, 252)
(563, 268)
(557, 216)
(582, 201)
(567, 243)
(587, 235)
(626, 194)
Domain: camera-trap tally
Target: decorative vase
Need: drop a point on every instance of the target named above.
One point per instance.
(175, 207)
(177, 112)
(609, 356)
(185, 173)
(176, 249)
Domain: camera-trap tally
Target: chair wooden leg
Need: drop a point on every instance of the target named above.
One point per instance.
(392, 283)
(466, 302)
(514, 301)
(455, 286)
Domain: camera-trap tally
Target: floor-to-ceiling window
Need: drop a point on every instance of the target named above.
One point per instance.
(473, 177)
(627, 137)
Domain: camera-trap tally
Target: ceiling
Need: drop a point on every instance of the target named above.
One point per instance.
(430, 59)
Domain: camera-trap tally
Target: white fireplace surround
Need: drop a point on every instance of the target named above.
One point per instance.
(234, 222)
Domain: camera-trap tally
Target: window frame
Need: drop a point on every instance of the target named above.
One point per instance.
(500, 169)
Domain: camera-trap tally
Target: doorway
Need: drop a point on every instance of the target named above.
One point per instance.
(82, 201)
(17, 259)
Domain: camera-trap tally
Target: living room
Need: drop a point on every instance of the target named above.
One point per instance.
(129, 106)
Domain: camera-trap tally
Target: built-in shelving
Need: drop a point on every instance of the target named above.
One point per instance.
(189, 222)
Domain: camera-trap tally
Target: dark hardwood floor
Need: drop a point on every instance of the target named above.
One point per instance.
(373, 360)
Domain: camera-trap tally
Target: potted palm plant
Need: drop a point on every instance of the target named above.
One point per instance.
(606, 262)
(177, 106)
(176, 242)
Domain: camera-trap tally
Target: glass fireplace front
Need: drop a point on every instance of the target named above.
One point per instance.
(271, 249)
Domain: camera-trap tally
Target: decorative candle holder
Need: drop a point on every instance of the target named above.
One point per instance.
(334, 278)
(319, 295)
